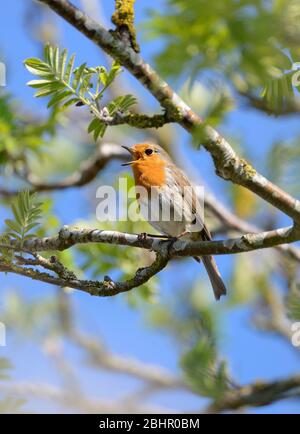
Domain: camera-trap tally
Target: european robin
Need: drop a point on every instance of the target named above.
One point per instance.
(168, 201)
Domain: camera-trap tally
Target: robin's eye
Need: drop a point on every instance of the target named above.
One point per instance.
(149, 151)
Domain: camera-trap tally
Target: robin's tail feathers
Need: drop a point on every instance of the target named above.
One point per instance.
(214, 276)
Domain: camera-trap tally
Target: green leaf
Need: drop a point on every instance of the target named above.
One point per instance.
(56, 60)
(18, 214)
(293, 304)
(99, 130)
(47, 48)
(69, 69)
(27, 212)
(78, 74)
(70, 102)
(103, 75)
(93, 124)
(66, 85)
(49, 89)
(59, 97)
(115, 70)
(205, 375)
(7, 254)
(38, 83)
(278, 92)
(121, 103)
(14, 226)
(62, 63)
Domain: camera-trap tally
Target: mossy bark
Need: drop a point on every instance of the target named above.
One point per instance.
(123, 18)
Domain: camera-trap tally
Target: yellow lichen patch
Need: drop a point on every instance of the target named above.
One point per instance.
(124, 17)
(247, 168)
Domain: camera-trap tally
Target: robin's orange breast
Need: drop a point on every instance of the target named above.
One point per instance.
(149, 175)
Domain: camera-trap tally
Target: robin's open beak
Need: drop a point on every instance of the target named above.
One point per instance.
(131, 152)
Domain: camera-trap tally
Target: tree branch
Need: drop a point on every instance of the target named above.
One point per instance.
(66, 278)
(123, 18)
(270, 315)
(227, 163)
(103, 358)
(79, 403)
(257, 395)
(90, 168)
(87, 172)
(68, 237)
(136, 120)
(165, 249)
(234, 223)
(292, 107)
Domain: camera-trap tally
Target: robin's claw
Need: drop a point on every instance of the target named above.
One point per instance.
(170, 241)
(142, 236)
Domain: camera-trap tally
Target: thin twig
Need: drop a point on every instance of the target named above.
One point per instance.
(258, 394)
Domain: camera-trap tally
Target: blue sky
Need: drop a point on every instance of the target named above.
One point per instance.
(252, 354)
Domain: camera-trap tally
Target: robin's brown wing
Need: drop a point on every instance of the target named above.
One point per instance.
(181, 181)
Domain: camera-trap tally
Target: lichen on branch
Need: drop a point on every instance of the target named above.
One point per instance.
(123, 18)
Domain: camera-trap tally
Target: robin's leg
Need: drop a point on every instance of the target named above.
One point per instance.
(172, 240)
(183, 234)
(142, 236)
